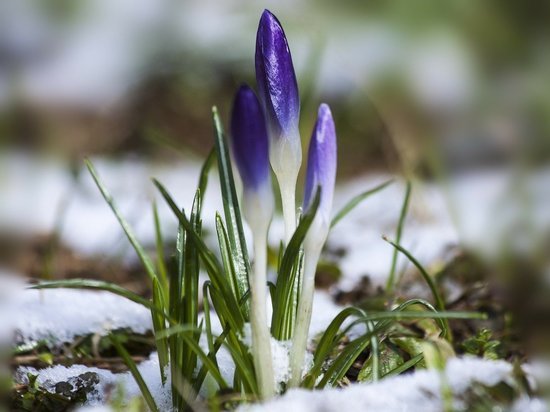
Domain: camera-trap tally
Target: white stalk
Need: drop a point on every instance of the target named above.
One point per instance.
(288, 200)
(303, 320)
(285, 156)
(258, 212)
(314, 242)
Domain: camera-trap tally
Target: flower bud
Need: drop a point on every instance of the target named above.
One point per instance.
(250, 149)
(321, 164)
(249, 139)
(278, 93)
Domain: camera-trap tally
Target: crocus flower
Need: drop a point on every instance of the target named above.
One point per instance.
(276, 79)
(251, 153)
(278, 93)
(249, 140)
(321, 174)
(321, 163)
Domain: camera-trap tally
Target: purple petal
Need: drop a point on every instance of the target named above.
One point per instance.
(321, 163)
(277, 86)
(249, 139)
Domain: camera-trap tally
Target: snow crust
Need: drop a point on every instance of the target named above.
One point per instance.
(149, 369)
(59, 315)
(420, 391)
(472, 209)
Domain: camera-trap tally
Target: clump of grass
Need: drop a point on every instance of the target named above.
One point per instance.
(175, 302)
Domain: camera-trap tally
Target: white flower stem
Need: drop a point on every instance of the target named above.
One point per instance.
(285, 155)
(299, 340)
(288, 200)
(261, 337)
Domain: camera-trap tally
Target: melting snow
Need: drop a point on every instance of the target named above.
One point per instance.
(59, 315)
(417, 391)
(420, 391)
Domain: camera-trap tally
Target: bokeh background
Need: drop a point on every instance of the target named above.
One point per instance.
(429, 90)
(411, 83)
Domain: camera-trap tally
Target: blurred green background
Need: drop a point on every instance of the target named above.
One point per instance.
(414, 86)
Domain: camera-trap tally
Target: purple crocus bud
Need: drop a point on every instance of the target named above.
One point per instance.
(278, 93)
(321, 174)
(321, 163)
(249, 139)
(250, 148)
(275, 76)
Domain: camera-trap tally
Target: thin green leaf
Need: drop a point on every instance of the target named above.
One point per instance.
(206, 167)
(161, 265)
(135, 373)
(285, 280)
(345, 359)
(232, 211)
(159, 324)
(206, 311)
(391, 278)
(439, 303)
(99, 285)
(356, 200)
(209, 260)
(405, 366)
(212, 355)
(143, 257)
(186, 333)
(191, 284)
(326, 344)
(223, 242)
(425, 315)
(177, 366)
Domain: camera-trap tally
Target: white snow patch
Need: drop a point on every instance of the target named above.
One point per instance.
(475, 209)
(420, 391)
(149, 369)
(478, 210)
(60, 315)
(417, 391)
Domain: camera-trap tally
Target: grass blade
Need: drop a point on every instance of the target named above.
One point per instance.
(99, 285)
(439, 303)
(348, 207)
(135, 373)
(326, 344)
(161, 265)
(232, 211)
(191, 285)
(206, 167)
(186, 332)
(143, 257)
(159, 324)
(212, 266)
(286, 278)
(405, 366)
(345, 359)
(390, 284)
(223, 242)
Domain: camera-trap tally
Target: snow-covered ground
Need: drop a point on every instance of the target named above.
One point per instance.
(35, 190)
(421, 391)
(477, 210)
(58, 316)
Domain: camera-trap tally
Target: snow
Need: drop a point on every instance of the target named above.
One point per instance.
(473, 209)
(87, 223)
(149, 369)
(420, 391)
(59, 315)
(476, 210)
